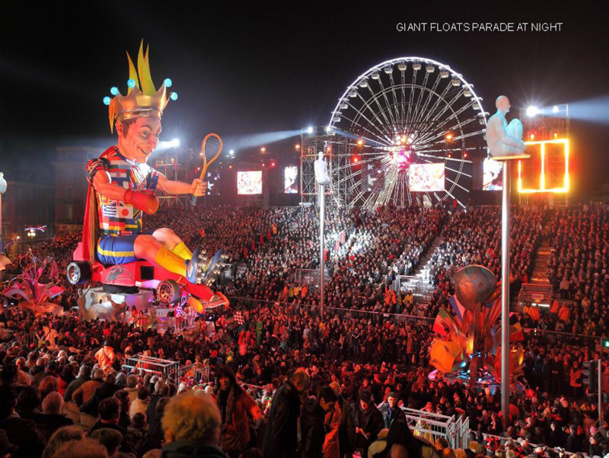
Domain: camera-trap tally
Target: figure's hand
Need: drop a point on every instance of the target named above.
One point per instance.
(148, 203)
(198, 188)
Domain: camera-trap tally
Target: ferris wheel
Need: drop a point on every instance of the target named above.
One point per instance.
(412, 125)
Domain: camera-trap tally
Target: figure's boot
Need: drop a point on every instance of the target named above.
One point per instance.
(200, 269)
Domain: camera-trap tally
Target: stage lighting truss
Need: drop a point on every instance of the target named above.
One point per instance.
(403, 111)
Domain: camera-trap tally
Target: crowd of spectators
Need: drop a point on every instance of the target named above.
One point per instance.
(354, 361)
(578, 237)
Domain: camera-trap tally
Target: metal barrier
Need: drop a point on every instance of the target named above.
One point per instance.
(201, 375)
(142, 364)
(432, 426)
(556, 337)
(347, 313)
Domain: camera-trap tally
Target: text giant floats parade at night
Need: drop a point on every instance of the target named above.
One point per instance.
(420, 271)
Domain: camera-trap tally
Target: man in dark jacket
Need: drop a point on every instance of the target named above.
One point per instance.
(390, 409)
(368, 422)
(313, 423)
(281, 436)
(198, 436)
(84, 375)
(346, 430)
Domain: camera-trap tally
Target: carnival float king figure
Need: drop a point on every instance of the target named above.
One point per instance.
(123, 186)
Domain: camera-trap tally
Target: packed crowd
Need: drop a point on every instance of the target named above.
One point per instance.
(361, 356)
(365, 361)
(578, 266)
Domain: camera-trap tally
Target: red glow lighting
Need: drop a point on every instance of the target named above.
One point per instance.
(355, 159)
(273, 164)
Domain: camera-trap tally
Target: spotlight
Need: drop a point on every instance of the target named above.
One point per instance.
(449, 137)
(532, 137)
(263, 149)
(272, 163)
(555, 109)
(310, 130)
(232, 152)
(532, 111)
(465, 155)
(297, 146)
(175, 142)
(360, 142)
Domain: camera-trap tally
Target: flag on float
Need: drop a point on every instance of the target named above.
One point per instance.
(239, 317)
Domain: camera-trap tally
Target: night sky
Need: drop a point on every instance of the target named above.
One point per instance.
(261, 67)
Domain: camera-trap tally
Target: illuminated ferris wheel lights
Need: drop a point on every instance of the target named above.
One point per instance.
(422, 119)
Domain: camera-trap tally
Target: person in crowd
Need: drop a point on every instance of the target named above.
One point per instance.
(281, 436)
(237, 408)
(192, 424)
(84, 375)
(368, 422)
(87, 389)
(390, 409)
(20, 432)
(313, 424)
(140, 405)
(60, 437)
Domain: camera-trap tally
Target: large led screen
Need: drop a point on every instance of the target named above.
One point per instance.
(426, 177)
(290, 175)
(492, 175)
(249, 183)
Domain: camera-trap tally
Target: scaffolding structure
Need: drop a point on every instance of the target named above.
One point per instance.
(337, 152)
(176, 166)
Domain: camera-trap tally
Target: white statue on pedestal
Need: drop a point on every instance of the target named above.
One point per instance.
(504, 140)
(321, 170)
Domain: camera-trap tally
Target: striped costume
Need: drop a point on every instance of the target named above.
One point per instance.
(120, 223)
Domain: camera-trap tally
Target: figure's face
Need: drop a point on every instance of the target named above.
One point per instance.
(503, 104)
(224, 383)
(141, 139)
(392, 402)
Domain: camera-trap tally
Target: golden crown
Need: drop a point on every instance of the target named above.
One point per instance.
(142, 98)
